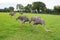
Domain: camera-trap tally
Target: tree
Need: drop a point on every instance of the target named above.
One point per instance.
(50, 11)
(28, 8)
(1, 10)
(57, 9)
(6, 10)
(11, 8)
(19, 7)
(39, 6)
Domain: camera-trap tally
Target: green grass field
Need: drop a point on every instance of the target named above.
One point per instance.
(11, 29)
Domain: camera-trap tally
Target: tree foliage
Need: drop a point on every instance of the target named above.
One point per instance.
(39, 6)
(28, 8)
(19, 7)
(11, 8)
(57, 9)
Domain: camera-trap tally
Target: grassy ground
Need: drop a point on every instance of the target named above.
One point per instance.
(11, 29)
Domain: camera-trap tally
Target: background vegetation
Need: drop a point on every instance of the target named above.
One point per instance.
(35, 7)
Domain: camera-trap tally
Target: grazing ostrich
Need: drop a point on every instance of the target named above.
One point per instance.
(23, 19)
(37, 20)
(12, 13)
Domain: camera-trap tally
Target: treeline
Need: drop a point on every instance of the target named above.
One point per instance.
(35, 7)
(7, 9)
(3, 10)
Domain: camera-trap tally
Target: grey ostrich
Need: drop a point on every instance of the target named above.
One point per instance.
(37, 20)
(23, 18)
(12, 13)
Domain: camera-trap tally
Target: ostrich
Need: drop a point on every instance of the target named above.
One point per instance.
(37, 20)
(12, 13)
(23, 18)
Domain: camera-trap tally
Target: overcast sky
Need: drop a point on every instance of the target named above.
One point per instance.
(49, 3)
